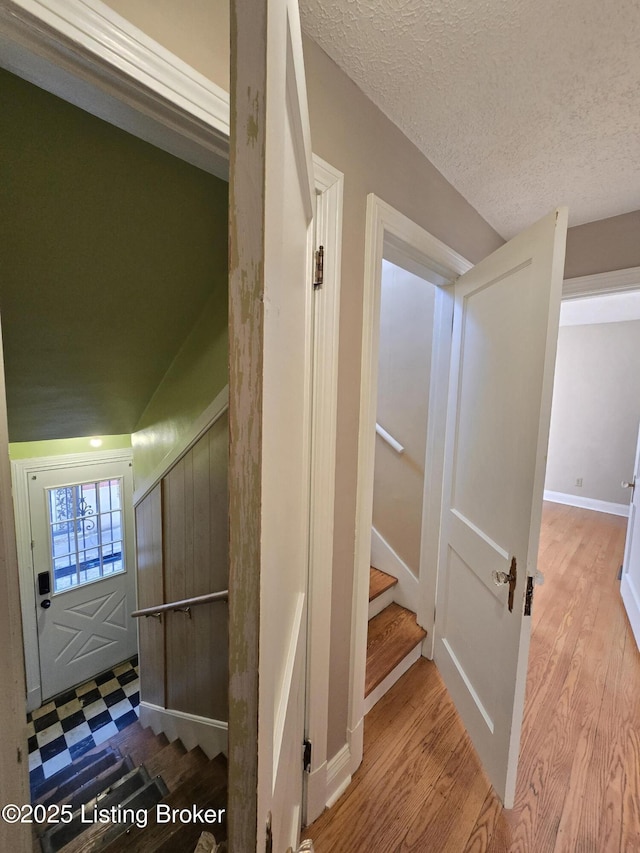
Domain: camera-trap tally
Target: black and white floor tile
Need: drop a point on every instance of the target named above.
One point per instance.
(74, 722)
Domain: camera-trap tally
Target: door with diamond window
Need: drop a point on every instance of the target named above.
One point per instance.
(83, 563)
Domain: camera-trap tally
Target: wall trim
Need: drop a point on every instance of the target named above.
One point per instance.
(209, 735)
(84, 52)
(617, 281)
(386, 228)
(338, 775)
(20, 472)
(632, 606)
(383, 557)
(197, 429)
(587, 503)
(343, 765)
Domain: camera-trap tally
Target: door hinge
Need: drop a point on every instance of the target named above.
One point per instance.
(528, 596)
(318, 274)
(306, 755)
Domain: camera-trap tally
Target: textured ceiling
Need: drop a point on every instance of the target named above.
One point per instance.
(521, 104)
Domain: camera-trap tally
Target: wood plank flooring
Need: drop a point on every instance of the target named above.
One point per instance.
(420, 786)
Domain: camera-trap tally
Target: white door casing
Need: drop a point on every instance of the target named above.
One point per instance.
(503, 354)
(14, 768)
(270, 396)
(326, 308)
(630, 586)
(85, 629)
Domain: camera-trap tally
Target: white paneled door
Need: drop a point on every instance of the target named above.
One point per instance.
(270, 421)
(504, 344)
(630, 586)
(84, 573)
(289, 206)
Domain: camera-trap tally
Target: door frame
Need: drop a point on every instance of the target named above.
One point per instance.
(21, 471)
(84, 52)
(329, 183)
(386, 226)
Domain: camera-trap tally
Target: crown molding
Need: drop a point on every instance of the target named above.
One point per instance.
(616, 281)
(84, 52)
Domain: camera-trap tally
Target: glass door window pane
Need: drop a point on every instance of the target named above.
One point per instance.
(86, 533)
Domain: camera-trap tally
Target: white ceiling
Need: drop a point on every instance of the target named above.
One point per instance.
(521, 104)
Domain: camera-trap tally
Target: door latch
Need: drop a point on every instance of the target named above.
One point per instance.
(500, 578)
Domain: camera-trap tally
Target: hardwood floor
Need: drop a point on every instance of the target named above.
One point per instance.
(420, 786)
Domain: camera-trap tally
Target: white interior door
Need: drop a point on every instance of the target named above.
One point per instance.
(83, 563)
(504, 343)
(286, 377)
(630, 587)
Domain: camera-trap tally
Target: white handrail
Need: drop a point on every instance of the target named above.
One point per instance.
(389, 439)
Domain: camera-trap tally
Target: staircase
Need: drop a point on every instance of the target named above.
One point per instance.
(122, 794)
(393, 641)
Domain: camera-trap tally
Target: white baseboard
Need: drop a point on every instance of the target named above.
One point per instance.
(343, 765)
(383, 557)
(338, 775)
(632, 606)
(587, 503)
(209, 735)
(391, 679)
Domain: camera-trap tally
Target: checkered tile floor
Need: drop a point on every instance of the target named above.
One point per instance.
(74, 722)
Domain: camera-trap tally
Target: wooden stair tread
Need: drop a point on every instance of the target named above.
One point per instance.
(84, 793)
(140, 744)
(84, 767)
(127, 794)
(379, 582)
(392, 634)
(206, 788)
(165, 759)
(188, 764)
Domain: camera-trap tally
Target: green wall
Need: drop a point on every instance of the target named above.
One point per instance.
(63, 446)
(198, 373)
(110, 249)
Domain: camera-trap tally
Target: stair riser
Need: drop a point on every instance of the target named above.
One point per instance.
(383, 600)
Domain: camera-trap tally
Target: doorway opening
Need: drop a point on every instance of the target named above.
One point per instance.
(115, 320)
(486, 466)
(395, 242)
(595, 417)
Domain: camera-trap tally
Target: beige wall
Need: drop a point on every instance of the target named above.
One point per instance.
(596, 410)
(354, 136)
(406, 326)
(608, 244)
(195, 30)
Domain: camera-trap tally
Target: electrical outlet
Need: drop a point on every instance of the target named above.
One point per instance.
(578, 481)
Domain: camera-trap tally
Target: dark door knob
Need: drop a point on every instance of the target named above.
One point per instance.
(46, 603)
